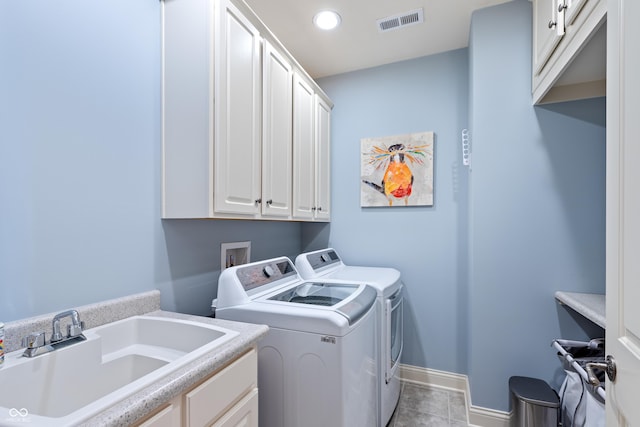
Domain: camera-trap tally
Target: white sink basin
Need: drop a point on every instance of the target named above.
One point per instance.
(71, 384)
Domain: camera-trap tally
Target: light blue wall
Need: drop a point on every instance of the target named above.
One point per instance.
(80, 166)
(537, 209)
(480, 266)
(80, 187)
(427, 244)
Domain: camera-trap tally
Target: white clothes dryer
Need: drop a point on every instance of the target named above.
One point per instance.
(317, 364)
(326, 264)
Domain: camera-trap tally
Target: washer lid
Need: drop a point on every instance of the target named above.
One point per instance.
(378, 277)
(317, 293)
(331, 295)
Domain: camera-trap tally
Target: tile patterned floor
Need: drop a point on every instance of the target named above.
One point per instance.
(422, 406)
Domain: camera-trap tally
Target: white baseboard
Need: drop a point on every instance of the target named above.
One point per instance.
(485, 417)
(477, 416)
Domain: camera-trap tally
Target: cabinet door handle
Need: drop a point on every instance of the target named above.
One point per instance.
(313, 208)
(258, 201)
(552, 24)
(269, 202)
(319, 208)
(562, 7)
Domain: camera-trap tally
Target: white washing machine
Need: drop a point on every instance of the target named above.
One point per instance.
(317, 364)
(325, 264)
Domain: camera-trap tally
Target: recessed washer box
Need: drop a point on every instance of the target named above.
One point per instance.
(234, 253)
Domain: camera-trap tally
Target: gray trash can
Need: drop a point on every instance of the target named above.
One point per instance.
(533, 402)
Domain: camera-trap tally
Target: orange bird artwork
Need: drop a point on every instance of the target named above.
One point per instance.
(398, 179)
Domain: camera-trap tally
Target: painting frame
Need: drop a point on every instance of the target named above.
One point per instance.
(397, 170)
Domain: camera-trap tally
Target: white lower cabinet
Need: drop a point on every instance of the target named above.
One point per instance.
(244, 414)
(169, 416)
(227, 398)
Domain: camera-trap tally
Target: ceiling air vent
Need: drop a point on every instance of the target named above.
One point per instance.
(401, 20)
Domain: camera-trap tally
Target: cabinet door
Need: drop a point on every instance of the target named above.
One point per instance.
(548, 29)
(303, 149)
(237, 113)
(570, 13)
(210, 400)
(277, 135)
(323, 162)
(187, 109)
(244, 414)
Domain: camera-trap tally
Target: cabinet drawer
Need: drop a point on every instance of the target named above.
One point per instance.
(169, 416)
(216, 395)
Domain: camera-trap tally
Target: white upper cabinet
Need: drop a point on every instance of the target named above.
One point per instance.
(311, 152)
(323, 159)
(237, 165)
(572, 7)
(547, 32)
(187, 109)
(277, 148)
(569, 50)
(228, 118)
(303, 150)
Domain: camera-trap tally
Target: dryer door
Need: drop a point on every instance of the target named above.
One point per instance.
(394, 331)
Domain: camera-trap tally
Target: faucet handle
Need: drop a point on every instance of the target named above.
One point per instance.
(56, 335)
(73, 330)
(34, 340)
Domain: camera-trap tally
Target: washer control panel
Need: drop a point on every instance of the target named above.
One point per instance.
(254, 275)
(322, 259)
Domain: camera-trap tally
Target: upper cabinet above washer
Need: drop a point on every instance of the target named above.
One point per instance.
(227, 114)
(311, 148)
(569, 50)
(277, 146)
(237, 113)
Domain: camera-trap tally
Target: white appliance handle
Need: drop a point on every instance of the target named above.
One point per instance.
(393, 303)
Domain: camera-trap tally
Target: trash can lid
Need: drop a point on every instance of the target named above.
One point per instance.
(533, 391)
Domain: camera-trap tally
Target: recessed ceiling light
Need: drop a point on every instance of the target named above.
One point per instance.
(327, 20)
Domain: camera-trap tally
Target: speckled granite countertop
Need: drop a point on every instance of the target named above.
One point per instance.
(591, 306)
(147, 400)
(152, 397)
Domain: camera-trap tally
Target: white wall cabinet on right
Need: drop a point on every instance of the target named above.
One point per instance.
(569, 50)
(311, 148)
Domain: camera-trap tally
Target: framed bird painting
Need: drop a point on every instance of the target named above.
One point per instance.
(397, 170)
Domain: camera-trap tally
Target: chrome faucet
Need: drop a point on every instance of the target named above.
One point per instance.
(36, 343)
(73, 330)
